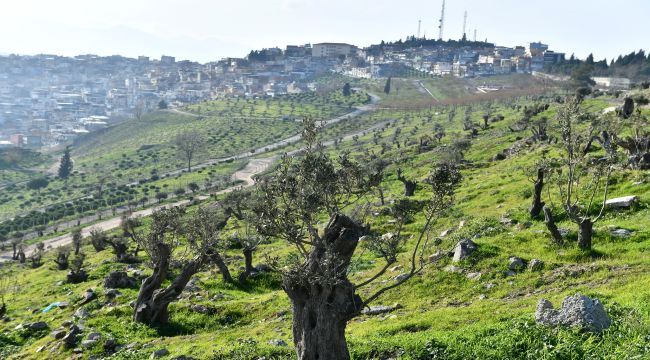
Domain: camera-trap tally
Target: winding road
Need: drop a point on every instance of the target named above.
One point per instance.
(254, 167)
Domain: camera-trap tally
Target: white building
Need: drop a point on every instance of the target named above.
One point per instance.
(332, 50)
(612, 82)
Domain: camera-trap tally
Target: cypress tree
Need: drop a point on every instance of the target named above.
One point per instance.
(65, 167)
(387, 86)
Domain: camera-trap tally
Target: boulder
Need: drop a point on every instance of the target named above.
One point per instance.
(577, 311)
(463, 249)
(119, 280)
(621, 233)
(76, 277)
(88, 343)
(94, 336)
(88, 296)
(263, 268)
(401, 277)
(110, 346)
(111, 294)
(82, 313)
(516, 263)
(192, 286)
(159, 353)
(535, 265)
(201, 309)
(621, 202)
(58, 334)
(70, 340)
(40, 325)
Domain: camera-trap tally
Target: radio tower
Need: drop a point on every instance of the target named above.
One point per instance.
(474, 35)
(442, 21)
(465, 25)
(419, 25)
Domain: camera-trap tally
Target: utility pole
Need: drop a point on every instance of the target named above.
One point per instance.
(441, 27)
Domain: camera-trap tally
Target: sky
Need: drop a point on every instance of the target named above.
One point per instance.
(208, 30)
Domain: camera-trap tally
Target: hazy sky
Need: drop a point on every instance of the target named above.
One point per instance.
(206, 30)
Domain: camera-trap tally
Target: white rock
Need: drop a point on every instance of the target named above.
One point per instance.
(621, 202)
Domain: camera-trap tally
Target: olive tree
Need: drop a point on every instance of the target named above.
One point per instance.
(171, 239)
(583, 181)
(188, 144)
(292, 202)
(76, 240)
(98, 239)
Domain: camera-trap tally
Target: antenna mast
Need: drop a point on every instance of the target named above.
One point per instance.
(465, 25)
(442, 21)
(474, 35)
(419, 25)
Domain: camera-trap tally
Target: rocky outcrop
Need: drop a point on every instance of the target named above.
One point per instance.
(577, 311)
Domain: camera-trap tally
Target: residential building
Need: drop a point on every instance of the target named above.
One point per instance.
(328, 50)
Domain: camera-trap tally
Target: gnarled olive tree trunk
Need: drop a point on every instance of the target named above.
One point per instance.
(538, 204)
(323, 306)
(409, 185)
(552, 227)
(218, 260)
(585, 233)
(151, 307)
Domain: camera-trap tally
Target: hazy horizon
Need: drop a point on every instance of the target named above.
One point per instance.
(205, 32)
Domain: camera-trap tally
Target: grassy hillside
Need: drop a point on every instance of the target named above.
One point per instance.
(475, 310)
(139, 154)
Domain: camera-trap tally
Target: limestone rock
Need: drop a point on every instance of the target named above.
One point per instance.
(621, 233)
(88, 343)
(380, 309)
(516, 263)
(535, 265)
(577, 311)
(463, 249)
(621, 202)
(159, 353)
(201, 309)
(401, 277)
(58, 334)
(88, 296)
(81, 313)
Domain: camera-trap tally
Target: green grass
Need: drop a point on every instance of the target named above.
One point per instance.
(445, 315)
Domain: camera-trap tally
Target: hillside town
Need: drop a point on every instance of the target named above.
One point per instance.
(47, 100)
